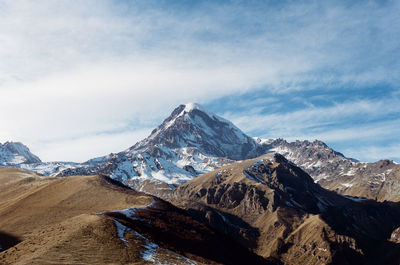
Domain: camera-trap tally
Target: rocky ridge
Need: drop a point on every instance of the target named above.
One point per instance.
(332, 170)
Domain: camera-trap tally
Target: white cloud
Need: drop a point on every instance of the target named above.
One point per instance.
(84, 148)
(71, 71)
(357, 127)
(374, 153)
(305, 122)
(378, 130)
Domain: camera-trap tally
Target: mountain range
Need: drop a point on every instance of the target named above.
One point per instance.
(198, 190)
(258, 211)
(193, 141)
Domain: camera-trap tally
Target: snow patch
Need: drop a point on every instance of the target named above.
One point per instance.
(261, 141)
(130, 212)
(49, 168)
(318, 164)
(248, 172)
(150, 248)
(322, 249)
(121, 229)
(347, 185)
(255, 178)
(350, 172)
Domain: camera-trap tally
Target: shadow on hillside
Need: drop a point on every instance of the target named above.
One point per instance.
(371, 231)
(227, 224)
(7, 241)
(174, 229)
(368, 222)
(114, 182)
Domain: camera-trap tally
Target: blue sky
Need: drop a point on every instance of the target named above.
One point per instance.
(83, 79)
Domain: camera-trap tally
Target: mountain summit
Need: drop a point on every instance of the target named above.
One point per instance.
(192, 126)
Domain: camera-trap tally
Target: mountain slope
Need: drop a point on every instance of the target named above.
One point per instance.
(95, 220)
(273, 207)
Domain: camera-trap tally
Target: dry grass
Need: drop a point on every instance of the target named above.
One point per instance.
(71, 220)
(56, 219)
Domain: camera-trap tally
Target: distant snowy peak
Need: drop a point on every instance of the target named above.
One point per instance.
(199, 118)
(192, 126)
(15, 153)
(316, 158)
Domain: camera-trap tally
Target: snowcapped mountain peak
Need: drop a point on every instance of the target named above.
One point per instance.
(193, 126)
(14, 153)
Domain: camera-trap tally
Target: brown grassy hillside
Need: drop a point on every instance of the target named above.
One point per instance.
(77, 220)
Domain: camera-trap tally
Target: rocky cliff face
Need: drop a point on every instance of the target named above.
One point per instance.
(274, 208)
